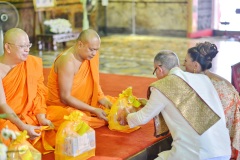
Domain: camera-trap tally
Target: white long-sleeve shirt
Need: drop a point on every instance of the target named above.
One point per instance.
(187, 143)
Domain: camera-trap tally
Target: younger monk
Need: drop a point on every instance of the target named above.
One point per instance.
(73, 83)
(22, 92)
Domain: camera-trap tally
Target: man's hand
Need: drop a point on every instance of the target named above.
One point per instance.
(105, 102)
(122, 117)
(100, 113)
(143, 101)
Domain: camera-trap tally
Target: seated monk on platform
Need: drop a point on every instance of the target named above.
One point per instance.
(189, 107)
(22, 92)
(73, 83)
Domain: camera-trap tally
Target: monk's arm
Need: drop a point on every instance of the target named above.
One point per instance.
(12, 117)
(5, 108)
(102, 99)
(65, 81)
(44, 121)
(39, 108)
(105, 102)
(65, 72)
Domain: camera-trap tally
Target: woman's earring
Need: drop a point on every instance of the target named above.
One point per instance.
(194, 70)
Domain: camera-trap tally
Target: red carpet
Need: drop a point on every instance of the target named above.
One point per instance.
(112, 145)
(113, 84)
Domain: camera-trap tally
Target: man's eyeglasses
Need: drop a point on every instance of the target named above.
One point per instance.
(22, 46)
(156, 69)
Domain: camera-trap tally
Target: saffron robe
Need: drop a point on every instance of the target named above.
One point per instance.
(26, 95)
(85, 87)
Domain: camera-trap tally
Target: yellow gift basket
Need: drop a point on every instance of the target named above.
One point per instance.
(75, 139)
(21, 149)
(125, 101)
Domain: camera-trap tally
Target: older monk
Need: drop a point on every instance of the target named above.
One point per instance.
(22, 92)
(73, 83)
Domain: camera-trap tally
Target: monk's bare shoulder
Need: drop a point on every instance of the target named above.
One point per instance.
(3, 73)
(66, 63)
(4, 69)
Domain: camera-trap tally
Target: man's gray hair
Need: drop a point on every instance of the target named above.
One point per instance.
(167, 58)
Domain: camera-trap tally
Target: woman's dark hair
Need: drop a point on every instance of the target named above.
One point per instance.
(203, 53)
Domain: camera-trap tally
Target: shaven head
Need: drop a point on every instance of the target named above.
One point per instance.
(12, 35)
(87, 35)
(168, 59)
(16, 46)
(87, 45)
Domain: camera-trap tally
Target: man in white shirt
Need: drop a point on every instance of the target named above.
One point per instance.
(191, 110)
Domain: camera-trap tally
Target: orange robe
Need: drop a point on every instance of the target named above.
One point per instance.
(25, 92)
(85, 88)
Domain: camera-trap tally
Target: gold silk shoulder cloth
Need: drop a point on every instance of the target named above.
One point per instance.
(191, 106)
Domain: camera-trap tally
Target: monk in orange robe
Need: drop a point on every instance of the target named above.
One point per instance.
(73, 83)
(22, 92)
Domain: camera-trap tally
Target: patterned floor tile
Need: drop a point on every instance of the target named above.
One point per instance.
(133, 55)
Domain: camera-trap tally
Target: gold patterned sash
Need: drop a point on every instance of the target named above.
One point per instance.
(198, 114)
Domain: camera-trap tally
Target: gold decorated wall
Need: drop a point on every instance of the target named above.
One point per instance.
(31, 18)
(149, 17)
(157, 17)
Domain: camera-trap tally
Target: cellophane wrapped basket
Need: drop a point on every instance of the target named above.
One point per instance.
(125, 102)
(21, 149)
(75, 139)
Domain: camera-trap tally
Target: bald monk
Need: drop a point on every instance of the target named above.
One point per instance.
(73, 82)
(22, 92)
